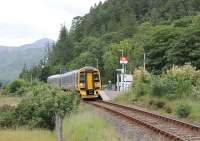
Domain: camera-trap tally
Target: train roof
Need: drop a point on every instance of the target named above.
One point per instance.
(72, 72)
(69, 73)
(62, 75)
(54, 76)
(88, 68)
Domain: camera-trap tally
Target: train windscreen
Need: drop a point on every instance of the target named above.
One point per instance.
(96, 77)
(82, 77)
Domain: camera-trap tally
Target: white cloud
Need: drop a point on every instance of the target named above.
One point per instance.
(24, 21)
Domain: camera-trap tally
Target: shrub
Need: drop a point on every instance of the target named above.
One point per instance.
(12, 87)
(158, 88)
(38, 109)
(168, 108)
(141, 82)
(157, 103)
(140, 89)
(160, 103)
(7, 116)
(186, 77)
(152, 102)
(183, 110)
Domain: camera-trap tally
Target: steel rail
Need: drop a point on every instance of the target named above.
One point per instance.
(169, 119)
(165, 133)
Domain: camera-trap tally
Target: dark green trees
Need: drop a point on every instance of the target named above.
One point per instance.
(166, 30)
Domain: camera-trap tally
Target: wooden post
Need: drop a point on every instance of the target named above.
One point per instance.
(59, 127)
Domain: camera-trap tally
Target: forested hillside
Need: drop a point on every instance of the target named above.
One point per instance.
(168, 31)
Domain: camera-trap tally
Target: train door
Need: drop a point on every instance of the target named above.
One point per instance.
(89, 76)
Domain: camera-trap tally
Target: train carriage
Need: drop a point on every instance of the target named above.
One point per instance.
(86, 81)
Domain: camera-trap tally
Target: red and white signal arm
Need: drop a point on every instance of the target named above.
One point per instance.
(124, 60)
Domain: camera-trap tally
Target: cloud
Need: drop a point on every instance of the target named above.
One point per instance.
(24, 21)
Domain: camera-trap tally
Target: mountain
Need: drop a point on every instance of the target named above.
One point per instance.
(12, 59)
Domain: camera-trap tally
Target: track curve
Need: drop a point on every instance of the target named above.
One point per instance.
(171, 128)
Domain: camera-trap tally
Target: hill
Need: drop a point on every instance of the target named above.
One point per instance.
(166, 30)
(14, 58)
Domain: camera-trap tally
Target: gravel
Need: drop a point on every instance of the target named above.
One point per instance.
(132, 131)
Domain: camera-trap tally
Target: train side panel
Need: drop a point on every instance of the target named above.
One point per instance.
(69, 81)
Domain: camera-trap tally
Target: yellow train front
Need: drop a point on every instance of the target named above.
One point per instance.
(86, 81)
(89, 82)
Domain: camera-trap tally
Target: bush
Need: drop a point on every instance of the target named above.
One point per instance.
(12, 87)
(38, 109)
(168, 108)
(183, 110)
(151, 102)
(186, 78)
(157, 102)
(158, 88)
(160, 103)
(140, 90)
(178, 82)
(141, 83)
(7, 116)
(163, 86)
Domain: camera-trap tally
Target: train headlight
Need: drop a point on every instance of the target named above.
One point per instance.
(82, 85)
(97, 84)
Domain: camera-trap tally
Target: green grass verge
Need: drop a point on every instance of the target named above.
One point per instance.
(156, 103)
(87, 125)
(26, 135)
(12, 101)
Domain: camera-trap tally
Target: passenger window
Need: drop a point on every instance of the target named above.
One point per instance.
(82, 78)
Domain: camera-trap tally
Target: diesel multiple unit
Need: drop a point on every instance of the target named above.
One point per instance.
(86, 81)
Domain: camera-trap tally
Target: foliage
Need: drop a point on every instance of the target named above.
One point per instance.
(141, 82)
(177, 82)
(1, 84)
(176, 91)
(183, 110)
(7, 116)
(89, 125)
(15, 86)
(24, 135)
(158, 103)
(173, 45)
(167, 31)
(39, 108)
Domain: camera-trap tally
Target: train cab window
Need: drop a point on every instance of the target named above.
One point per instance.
(82, 77)
(96, 77)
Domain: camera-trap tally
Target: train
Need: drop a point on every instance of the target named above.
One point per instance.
(86, 81)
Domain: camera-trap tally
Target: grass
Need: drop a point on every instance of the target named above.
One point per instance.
(26, 135)
(126, 98)
(87, 125)
(8, 100)
(22, 134)
(12, 101)
(195, 112)
(169, 105)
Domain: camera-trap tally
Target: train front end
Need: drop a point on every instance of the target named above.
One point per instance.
(89, 82)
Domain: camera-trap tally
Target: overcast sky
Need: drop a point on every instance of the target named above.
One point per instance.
(25, 21)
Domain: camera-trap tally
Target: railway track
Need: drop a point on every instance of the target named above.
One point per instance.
(171, 128)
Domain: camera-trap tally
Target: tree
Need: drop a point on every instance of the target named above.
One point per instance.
(1, 84)
(111, 59)
(25, 73)
(63, 50)
(159, 28)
